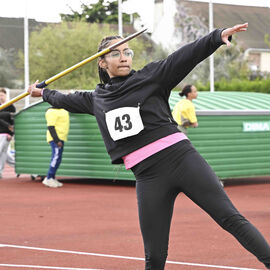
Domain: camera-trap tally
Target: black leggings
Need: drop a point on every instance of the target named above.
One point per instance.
(180, 168)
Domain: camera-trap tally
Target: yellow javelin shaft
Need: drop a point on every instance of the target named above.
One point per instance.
(68, 70)
(57, 76)
(23, 95)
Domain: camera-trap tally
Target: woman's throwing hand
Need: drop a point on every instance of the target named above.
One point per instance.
(230, 31)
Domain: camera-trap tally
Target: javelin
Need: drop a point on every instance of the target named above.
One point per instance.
(68, 70)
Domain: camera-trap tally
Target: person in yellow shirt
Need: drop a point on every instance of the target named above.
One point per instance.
(57, 132)
(184, 111)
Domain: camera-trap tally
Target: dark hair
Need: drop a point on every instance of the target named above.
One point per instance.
(185, 90)
(3, 90)
(105, 42)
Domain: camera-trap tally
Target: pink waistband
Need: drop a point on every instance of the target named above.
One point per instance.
(148, 150)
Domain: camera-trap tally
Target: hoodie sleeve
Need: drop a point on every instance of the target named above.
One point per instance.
(53, 134)
(79, 102)
(172, 70)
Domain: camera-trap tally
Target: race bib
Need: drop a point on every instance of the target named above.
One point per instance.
(124, 122)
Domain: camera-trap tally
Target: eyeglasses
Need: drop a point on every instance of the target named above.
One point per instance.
(117, 54)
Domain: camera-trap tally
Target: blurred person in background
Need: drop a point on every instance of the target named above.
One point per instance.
(57, 132)
(184, 111)
(6, 131)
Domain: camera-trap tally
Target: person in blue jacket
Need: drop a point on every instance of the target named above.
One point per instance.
(133, 114)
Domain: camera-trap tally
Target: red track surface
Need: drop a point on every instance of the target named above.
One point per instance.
(101, 217)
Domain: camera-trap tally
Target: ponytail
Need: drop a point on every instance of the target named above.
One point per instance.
(185, 90)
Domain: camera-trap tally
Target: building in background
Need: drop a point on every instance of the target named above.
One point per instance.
(12, 34)
(256, 50)
(164, 24)
(163, 29)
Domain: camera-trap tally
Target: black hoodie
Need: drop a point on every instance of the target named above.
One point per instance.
(6, 119)
(148, 88)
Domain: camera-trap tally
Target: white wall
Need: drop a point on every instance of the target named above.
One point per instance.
(164, 25)
(265, 61)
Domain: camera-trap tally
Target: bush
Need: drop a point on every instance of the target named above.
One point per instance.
(262, 86)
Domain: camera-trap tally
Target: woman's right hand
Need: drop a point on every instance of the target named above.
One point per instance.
(34, 91)
(60, 144)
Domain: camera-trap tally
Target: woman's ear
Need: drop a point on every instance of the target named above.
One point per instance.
(102, 63)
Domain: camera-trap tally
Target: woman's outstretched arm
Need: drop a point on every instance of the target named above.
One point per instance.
(172, 70)
(79, 102)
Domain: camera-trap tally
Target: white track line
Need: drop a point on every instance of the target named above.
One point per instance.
(124, 257)
(45, 267)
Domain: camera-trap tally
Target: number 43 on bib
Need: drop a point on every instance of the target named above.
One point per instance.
(124, 122)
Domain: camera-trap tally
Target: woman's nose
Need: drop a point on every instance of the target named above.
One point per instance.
(123, 58)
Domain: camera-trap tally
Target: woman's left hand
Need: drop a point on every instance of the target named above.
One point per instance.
(230, 31)
(34, 91)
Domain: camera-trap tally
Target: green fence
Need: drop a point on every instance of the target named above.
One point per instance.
(232, 136)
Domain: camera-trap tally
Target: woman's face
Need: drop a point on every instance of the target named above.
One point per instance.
(3, 98)
(193, 94)
(118, 62)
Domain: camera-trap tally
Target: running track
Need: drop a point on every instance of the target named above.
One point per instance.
(94, 225)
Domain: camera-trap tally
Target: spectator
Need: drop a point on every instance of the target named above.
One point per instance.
(6, 132)
(184, 111)
(58, 127)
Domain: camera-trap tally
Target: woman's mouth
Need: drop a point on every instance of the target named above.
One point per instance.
(123, 67)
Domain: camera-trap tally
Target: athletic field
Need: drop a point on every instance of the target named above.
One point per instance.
(94, 225)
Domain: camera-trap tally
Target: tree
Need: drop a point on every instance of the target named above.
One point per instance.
(229, 62)
(103, 11)
(57, 47)
(8, 73)
(188, 27)
(266, 40)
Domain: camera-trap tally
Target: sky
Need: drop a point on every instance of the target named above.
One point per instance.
(48, 10)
